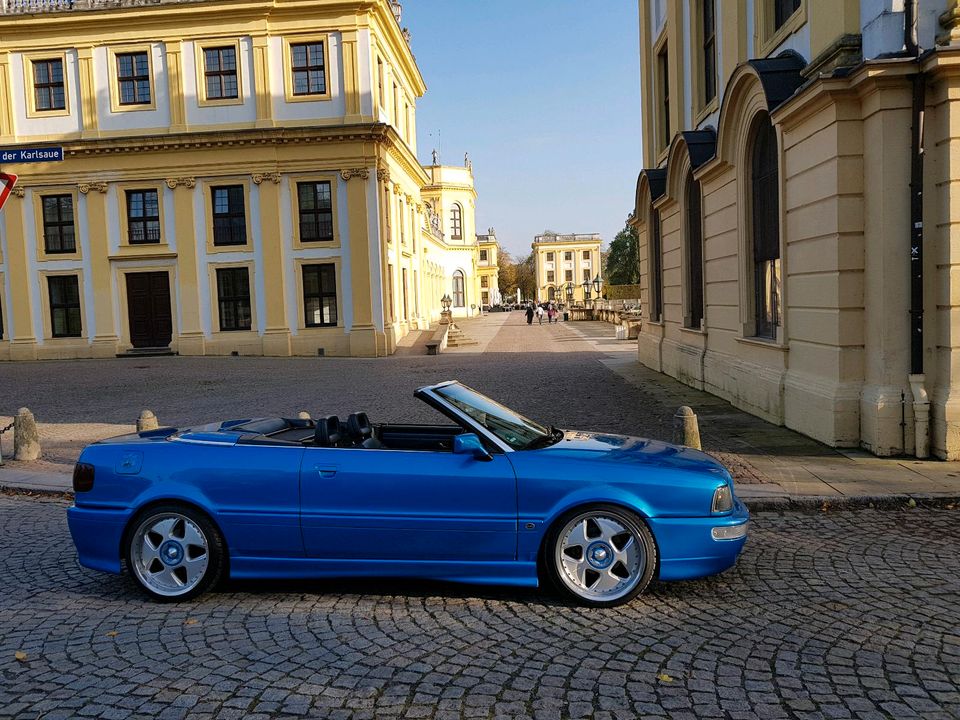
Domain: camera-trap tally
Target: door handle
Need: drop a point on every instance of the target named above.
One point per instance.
(326, 471)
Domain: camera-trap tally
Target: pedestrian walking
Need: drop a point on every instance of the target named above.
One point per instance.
(529, 314)
(551, 313)
(540, 314)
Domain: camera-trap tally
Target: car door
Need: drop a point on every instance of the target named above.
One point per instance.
(380, 504)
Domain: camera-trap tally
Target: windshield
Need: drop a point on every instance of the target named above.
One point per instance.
(511, 427)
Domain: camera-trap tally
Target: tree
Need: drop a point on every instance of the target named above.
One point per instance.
(507, 274)
(623, 258)
(526, 278)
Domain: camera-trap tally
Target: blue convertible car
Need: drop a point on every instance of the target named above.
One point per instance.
(490, 497)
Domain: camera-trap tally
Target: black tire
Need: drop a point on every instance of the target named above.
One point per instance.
(631, 523)
(188, 522)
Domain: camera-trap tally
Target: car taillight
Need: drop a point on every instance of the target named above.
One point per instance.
(722, 500)
(82, 477)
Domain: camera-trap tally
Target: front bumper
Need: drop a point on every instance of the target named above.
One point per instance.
(687, 546)
(97, 534)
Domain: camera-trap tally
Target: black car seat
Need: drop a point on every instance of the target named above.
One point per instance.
(327, 433)
(361, 431)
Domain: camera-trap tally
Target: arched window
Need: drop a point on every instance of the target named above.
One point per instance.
(456, 222)
(656, 268)
(459, 294)
(765, 217)
(694, 314)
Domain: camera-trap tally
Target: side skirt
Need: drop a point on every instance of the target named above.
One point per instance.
(515, 574)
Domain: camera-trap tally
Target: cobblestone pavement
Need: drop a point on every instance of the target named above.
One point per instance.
(844, 615)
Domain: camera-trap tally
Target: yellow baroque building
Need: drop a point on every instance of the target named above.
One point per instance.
(565, 266)
(239, 176)
(797, 213)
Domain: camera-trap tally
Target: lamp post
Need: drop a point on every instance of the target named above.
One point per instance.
(597, 282)
(587, 287)
(446, 301)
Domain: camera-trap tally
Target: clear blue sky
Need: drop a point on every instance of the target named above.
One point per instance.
(545, 96)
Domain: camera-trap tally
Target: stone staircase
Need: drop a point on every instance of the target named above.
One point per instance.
(457, 338)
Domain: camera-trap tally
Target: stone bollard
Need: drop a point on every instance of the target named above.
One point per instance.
(304, 415)
(147, 421)
(26, 436)
(686, 428)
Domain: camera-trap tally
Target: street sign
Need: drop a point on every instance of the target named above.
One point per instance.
(31, 154)
(7, 183)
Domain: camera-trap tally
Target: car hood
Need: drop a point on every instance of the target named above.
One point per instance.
(634, 450)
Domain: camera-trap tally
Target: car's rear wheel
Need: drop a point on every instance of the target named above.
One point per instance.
(174, 552)
(601, 555)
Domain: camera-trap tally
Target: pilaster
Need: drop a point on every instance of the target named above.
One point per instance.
(6, 107)
(191, 340)
(178, 110)
(276, 337)
(23, 342)
(351, 75)
(105, 342)
(88, 93)
(365, 341)
(261, 76)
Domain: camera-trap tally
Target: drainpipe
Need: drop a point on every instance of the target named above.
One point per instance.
(917, 379)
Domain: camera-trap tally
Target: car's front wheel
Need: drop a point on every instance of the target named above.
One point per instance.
(601, 556)
(174, 552)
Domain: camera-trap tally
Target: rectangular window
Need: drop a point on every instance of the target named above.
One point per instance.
(782, 11)
(586, 275)
(143, 217)
(59, 235)
(65, 305)
(220, 73)
(663, 83)
(307, 64)
(549, 257)
(229, 216)
(484, 281)
(48, 85)
(396, 105)
(708, 29)
(483, 256)
(568, 275)
(586, 255)
(656, 268)
(315, 205)
(133, 78)
(406, 289)
(380, 97)
(550, 276)
(320, 295)
(233, 298)
(567, 256)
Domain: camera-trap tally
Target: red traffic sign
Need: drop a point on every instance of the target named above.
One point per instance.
(7, 182)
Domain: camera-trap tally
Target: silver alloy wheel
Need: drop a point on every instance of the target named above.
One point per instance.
(599, 557)
(169, 553)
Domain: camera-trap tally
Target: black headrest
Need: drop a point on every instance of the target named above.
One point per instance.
(359, 425)
(327, 433)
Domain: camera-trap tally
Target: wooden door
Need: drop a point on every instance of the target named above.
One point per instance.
(148, 307)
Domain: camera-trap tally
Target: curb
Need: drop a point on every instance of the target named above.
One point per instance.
(36, 492)
(826, 503)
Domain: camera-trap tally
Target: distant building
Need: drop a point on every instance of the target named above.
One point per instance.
(566, 265)
(488, 268)
(236, 180)
(798, 246)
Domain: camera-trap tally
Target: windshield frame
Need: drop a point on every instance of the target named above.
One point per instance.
(434, 396)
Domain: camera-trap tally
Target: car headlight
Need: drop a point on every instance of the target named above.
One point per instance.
(722, 500)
